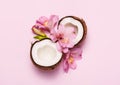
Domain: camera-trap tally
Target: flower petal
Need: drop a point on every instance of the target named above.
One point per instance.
(73, 66)
(70, 45)
(53, 21)
(61, 29)
(65, 66)
(59, 47)
(65, 50)
(76, 53)
(68, 55)
(37, 31)
(68, 36)
(42, 20)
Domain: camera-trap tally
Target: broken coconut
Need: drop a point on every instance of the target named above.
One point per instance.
(79, 27)
(45, 54)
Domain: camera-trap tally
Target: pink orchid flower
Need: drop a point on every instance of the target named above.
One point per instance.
(64, 37)
(70, 57)
(46, 25)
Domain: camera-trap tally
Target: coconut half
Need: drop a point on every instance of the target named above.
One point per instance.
(45, 54)
(78, 24)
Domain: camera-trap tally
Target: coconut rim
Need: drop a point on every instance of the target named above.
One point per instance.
(83, 24)
(40, 66)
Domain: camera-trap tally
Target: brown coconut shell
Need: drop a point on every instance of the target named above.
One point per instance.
(83, 24)
(39, 66)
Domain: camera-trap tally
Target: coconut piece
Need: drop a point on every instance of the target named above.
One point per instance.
(45, 54)
(79, 26)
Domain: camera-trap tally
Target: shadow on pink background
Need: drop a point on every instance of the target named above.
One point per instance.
(101, 55)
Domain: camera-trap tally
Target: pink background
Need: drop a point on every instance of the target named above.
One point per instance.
(101, 53)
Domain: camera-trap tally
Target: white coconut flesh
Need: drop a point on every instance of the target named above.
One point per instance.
(45, 53)
(77, 26)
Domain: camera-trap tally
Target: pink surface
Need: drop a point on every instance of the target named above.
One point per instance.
(101, 54)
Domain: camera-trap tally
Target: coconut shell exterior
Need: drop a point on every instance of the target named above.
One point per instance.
(83, 24)
(39, 66)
